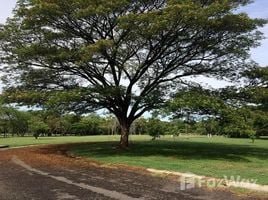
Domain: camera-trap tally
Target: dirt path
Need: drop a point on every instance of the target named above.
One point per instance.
(46, 173)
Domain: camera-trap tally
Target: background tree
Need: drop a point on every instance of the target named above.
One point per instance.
(38, 127)
(121, 55)
(256, 94)
(155, 128)
(139, 126)
(13, 121)
(112, 125)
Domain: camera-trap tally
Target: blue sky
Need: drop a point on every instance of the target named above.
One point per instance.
(260, 9)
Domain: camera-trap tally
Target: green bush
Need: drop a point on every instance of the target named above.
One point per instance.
(155, 128)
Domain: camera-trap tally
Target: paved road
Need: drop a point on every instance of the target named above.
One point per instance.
(44, 173)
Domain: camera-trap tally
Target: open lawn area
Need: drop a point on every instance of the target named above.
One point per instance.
(215, 157)
(25, 141)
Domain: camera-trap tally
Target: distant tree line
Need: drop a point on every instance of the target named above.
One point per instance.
(232, 123)
(44, 123)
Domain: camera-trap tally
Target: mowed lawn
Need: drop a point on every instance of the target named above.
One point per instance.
(26, 141)
(213, 157)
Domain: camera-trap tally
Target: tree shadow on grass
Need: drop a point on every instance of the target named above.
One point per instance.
(176, 149)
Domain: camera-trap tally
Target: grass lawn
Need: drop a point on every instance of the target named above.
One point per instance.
(25, 141)
(215, 157)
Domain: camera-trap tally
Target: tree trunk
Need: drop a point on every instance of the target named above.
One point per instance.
(124, 143)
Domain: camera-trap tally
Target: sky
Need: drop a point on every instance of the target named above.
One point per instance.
(259, 9)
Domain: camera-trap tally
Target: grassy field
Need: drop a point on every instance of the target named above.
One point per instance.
(25, 141)
(215, 157)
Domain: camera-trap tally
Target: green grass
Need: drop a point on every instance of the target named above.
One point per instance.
(215, 157)
(26, 141)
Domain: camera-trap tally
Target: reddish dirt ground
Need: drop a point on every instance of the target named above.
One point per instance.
(48, 173)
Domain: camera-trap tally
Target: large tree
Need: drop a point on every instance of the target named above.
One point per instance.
(121, 55)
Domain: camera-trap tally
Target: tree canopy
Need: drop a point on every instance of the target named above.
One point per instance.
(122, 55)
(234, 111)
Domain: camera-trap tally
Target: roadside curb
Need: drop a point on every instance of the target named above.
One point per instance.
(244, 185)
(21, 147)
(4, 146)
